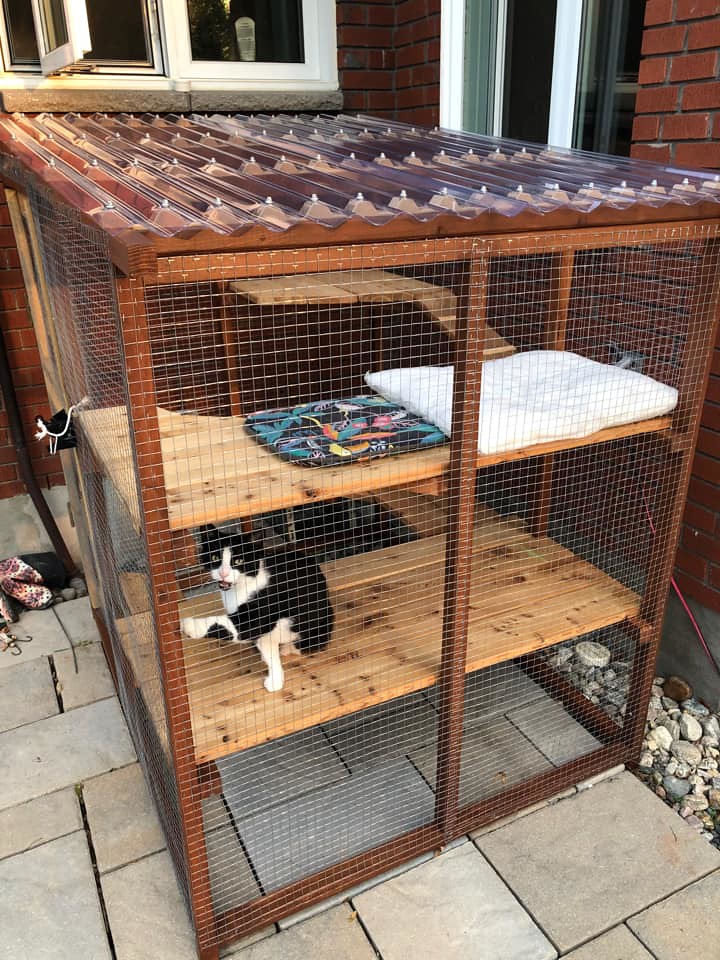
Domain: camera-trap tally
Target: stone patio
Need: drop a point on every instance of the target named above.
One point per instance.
(606, 872)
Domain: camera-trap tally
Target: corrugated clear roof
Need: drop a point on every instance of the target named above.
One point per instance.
(172, 176)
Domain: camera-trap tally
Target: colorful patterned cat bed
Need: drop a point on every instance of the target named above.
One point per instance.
(326, 433)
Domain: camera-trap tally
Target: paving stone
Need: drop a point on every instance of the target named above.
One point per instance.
(332, 935)
(50, 908)
(526, 811)
(277, 771)
(616, 944)
(122, 817)
(93, 680)
(584, 866)
(77, 621)
(47, 637)
(232, 950)
(495, 755)
(62, 751)
(37, 821)
(231, 878)
(384, 733)
(496, 689)
(26, 693)
(553, 731)
(454, 906)
(687, 924)
(146, 911)
(312, 832)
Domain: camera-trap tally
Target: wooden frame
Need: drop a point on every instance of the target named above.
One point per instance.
(146, 486)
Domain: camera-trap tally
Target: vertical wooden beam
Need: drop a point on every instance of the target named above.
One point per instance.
(554, 339)
(470, 340)
(165, 598)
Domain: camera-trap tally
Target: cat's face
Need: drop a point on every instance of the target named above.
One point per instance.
(228, 556)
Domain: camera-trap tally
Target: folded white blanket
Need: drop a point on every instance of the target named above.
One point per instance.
(532, 397)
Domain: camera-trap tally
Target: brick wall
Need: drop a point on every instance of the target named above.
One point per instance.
(25, 366)
(678, 121)
(389, 58)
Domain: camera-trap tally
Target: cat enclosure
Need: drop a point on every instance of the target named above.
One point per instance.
(465, 375)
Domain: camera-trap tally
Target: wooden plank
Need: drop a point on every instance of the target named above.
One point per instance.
(526, 593)
(215, 471)
(425, 514)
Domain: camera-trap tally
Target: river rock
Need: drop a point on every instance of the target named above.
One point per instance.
(694, 707)
(673, 726)
(711, 726)
(690, 729)
(677, 688)
(714, 798)
(668, 703)
(684, 751)
(695, 802)
(676, 787)
(662, 737)
(591, 654)
(645, 762)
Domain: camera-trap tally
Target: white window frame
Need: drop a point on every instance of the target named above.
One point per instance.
(319, 71)
(566, 56)
(170, 40)
(78, 33)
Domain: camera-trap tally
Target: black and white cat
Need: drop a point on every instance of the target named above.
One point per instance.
(277, 599)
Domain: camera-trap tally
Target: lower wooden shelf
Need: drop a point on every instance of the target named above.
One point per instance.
(528, 593)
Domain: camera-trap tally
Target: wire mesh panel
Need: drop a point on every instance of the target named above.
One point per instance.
(384, 531)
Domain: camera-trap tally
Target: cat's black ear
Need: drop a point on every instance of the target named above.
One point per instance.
(206, 530)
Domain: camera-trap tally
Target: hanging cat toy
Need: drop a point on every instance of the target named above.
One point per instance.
(59, 428)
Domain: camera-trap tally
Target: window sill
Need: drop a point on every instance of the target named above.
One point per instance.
(153, 99)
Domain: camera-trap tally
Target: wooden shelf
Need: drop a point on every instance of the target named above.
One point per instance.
(214, 471)
(528, 593)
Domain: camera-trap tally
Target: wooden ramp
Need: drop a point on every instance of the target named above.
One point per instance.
(528, 593)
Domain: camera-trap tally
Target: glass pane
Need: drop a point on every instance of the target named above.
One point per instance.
(21, 32)
(607, 83)
(529, 47)
(118, 38)
(266, 31)
(54, 26)
(479, 65)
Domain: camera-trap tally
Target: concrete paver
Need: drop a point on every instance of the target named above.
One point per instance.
(553, 731)
(586, 864)
(687, 924)
(332, 935)
(46, 818)
(616, 944)
(77, 621)
(146, 912)
(122, 818)
(454, 906)
(62, 751)
(47, 637)
(93, 680)
(50, 908)
(26, 693)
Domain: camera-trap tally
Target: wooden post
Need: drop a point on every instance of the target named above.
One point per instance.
(165, 597)
(470, 339)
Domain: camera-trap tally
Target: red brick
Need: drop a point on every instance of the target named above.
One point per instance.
(686, 126)
(699, 517)
(410, 10)
(411, 55)
(713, 390)
(704, 36)
(11, 279)
(658, 11)
(708, 468)
(703, 492)
(352, 13)
(366, 80)
(691, 563)
(709, 442)
(652, 70)
(646, 128)
(715, 577)
(693, 66)
(702, 544)
(414, 97)
(11, 489)
(698, 591)
(694, 9)
(426, 74)
(381, 100)
(656, 100)
(711, 416)
(698, 155)
(15, 319)
(647, 151)
(701, 96)
(24, 358)
(663, 40)
(353, 36)
(716, 135)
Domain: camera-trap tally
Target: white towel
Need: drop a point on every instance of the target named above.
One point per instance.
(533, 397)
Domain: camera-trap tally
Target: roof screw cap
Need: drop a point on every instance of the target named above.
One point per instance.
(653, 182)
(685, 181)
(268, 200)
(109, 205)
(165, 202)
(314, 197)
(359, 196)
(403, 194)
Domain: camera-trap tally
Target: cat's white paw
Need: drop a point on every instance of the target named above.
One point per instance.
(193, 627)
(273, 686)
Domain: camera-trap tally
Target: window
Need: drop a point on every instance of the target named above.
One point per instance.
(218, 45)
(563, 72)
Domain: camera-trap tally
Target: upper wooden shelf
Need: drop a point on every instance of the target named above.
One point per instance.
(214, 471)
(527, 593)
